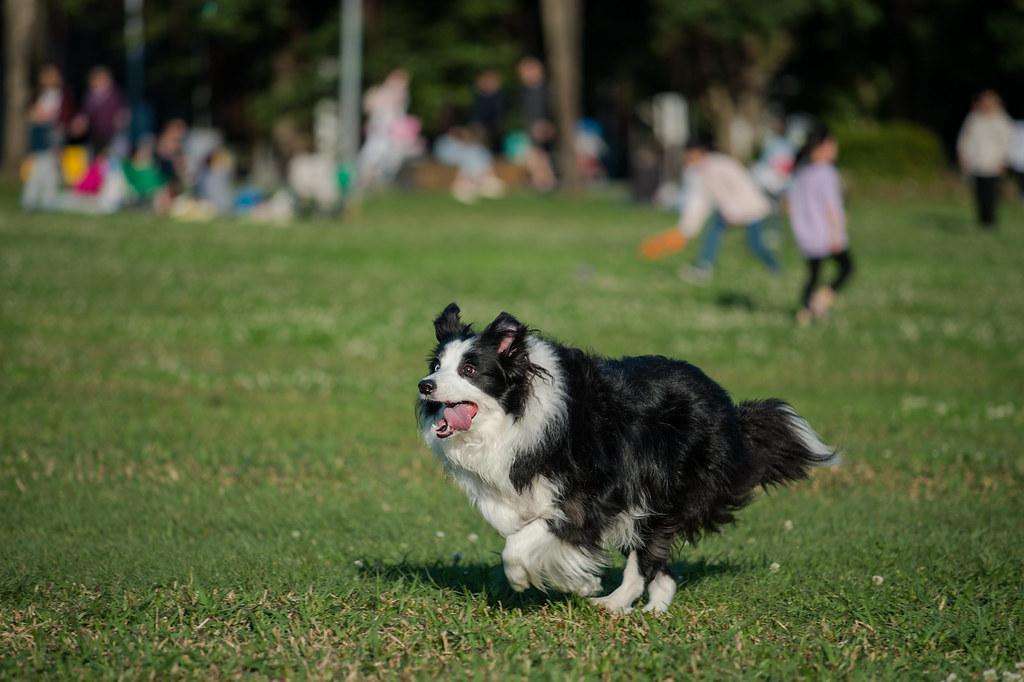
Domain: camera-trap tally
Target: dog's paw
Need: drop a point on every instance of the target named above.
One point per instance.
(612, 604)
(660, 593)
(518, 578)
(655, 607)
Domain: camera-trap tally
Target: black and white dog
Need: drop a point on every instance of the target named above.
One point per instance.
(567, 454)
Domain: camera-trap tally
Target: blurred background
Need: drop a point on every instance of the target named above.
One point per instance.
(618, 89)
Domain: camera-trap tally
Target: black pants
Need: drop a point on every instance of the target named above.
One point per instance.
(986, 192)
(845, 263)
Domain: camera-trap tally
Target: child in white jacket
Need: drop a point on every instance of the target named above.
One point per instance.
(720, 187)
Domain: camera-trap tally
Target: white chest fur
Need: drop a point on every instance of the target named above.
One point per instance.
(506, 510)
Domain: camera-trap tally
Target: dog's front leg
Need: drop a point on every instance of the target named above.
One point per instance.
(519, 553)
(536, 556)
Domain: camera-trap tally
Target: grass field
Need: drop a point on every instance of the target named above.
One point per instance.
(209, 464)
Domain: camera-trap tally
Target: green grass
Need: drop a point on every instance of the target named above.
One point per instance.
(209, 464)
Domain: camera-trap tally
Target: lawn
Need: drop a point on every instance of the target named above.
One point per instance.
(209, 464)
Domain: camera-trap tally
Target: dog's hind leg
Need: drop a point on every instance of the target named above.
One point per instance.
(660, 592)
(632, 588)
(653, 564)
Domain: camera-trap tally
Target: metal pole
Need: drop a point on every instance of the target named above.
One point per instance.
(349, 82)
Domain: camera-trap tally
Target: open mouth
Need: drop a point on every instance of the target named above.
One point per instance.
(455, 417)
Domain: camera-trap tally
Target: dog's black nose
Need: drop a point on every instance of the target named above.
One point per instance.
(427, 387)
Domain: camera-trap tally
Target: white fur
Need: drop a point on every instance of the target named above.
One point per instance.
(536, 556)
(508, 512)
(810, 438)
(660, 593)
(632, 587)
(622, 533)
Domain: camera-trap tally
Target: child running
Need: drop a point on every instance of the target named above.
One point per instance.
(720, 186)
(819, 221)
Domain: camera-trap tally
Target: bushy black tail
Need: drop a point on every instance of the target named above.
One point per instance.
(781, 442)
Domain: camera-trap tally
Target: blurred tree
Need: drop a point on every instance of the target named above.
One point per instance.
(444, 44)
(727, 53)
(20, 17)
(921, 60)
(269, 59)
(562, 39)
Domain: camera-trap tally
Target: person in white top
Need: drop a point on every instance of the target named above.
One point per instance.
(983, 148)
(720, 187)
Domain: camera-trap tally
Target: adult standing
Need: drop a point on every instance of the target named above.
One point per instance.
(49, 116)
(983, 149)
(537, 121)
(386, 106)
(104, 113)
(489, 108)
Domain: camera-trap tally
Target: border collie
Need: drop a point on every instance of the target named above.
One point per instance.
(568, 454)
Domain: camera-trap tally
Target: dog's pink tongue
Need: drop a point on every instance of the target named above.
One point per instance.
(460, 417)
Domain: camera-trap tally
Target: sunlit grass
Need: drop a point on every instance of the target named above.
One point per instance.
(209, 463)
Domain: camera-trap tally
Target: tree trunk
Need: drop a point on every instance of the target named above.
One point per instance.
(19, 17)
(562, 41)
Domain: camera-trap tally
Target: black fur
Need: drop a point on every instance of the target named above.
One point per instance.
(643, 432)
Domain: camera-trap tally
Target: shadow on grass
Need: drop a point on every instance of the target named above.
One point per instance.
(734, 300)
(488, 580)
(944, 221)
(744, 302)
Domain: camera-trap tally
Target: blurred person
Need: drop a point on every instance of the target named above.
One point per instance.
(774, 168)
(142, 172)
(983, 149)
(313, 181)
(537, 121)
(386, 106)
(49, 116)
(489, 108)
(462, 148)
(215, 181)
(104, 117)
(170, 159)
(103, 189)
(590, 149)
(1016, 160)
(818, 220)
(721, 187)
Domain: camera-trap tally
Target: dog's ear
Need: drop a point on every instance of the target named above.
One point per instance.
(507, 334)
(448, 323)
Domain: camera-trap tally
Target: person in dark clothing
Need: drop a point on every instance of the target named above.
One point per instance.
(534, 101)
(170, 161)
(104, 113)
(489, 108)
(537, 121)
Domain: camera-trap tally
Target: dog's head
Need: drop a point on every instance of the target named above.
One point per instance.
(469, 373)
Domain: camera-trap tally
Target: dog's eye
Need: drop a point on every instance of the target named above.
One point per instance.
(468, 371)
(434, 366)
